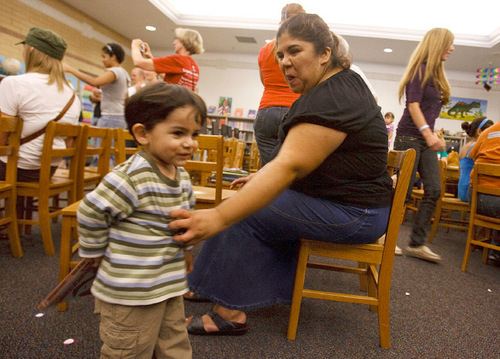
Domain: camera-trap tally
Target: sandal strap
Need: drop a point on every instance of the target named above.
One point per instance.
(223, 324)
(196, 325)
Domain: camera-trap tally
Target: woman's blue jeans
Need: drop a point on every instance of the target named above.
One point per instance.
(427, 165)
(252, 264)
(265, 128)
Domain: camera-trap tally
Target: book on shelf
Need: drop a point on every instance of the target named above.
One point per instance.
(211, 110)
(224, 105)
(215, 126)
(226, 131)
(251, 113)
(238, 112)
(76, 284)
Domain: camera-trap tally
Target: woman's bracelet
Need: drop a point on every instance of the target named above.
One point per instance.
(423, 127)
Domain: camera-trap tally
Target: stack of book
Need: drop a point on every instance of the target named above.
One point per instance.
(230, 174)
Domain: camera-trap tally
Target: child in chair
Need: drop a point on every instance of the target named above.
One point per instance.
(141, 279)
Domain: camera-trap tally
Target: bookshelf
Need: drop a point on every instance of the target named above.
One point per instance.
(243, 124)
(455, 142)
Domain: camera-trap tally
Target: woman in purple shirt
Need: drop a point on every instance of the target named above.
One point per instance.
(427, 89)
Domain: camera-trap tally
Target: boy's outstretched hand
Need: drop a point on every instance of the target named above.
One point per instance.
(199, 225)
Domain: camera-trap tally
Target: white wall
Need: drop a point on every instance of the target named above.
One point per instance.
(237, 76)
(243, 85)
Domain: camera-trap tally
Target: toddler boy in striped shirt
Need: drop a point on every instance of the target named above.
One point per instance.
(141, 279)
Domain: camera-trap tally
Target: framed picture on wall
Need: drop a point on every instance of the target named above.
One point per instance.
(224, 106)
(463, 109)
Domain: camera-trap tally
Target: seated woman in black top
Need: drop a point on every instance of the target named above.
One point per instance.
(327, 182)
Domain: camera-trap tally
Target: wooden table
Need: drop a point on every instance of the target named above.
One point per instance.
(205, 196)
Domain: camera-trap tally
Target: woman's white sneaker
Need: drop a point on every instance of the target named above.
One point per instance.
(399, 251)
(423, 252)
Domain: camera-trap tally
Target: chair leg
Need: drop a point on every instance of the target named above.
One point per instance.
(363, 283)
(12, 229)
(435, 224)
(463, 218)
(470, 235)
(297, 293)
(15, 241)
(383, 321)
(65, 256)
(486, 251)
(45, 222)
(21, 211)
(372, 286)
(28, 214)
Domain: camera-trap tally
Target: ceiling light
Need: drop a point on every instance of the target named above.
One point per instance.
(150, 28)
(388, 50)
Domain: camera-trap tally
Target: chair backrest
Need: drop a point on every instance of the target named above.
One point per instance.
(211, 148)
(123, 147)
(480, 170)
(485, 169)
(402, 162)
(229, 151)
(255, 161)
(102, 149)
(239, 155)
(74, 135)
(10, 130)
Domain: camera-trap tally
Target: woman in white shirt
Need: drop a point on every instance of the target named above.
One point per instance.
(38, 96)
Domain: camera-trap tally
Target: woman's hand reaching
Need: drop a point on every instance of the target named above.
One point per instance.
(241, 181)
(199, 225)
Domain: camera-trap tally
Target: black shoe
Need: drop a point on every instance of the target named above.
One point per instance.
(494, 258)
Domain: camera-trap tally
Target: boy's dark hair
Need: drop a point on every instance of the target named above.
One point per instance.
(152, 104)
(115, 49)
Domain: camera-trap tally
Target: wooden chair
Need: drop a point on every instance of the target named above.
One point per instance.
(481, 169)
(49, 187)
(254, 161)
(445, 206)
(69, 235)
(11, 128)
(209, 146)
(92, 175)
(229, 151)
(123, 149)
(97, 143)
(238, 155)
(368, 256)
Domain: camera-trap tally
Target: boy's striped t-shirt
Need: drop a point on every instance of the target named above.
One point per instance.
(125, 219)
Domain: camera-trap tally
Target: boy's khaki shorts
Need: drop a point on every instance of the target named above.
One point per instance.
(141, 331)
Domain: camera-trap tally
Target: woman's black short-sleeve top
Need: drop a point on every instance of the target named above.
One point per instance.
(356, 173)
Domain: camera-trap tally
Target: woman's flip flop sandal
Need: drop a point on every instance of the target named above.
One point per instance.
(226, 327)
